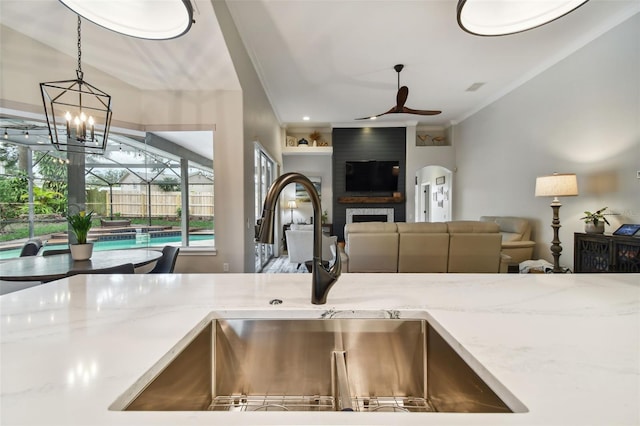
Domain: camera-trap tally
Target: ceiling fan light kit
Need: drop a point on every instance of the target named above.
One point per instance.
(146, 19)
(503, 17)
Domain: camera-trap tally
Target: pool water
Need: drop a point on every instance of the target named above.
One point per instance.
(194, 240)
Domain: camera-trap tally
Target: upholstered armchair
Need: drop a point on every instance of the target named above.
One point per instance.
(300, 244)
(516, 237)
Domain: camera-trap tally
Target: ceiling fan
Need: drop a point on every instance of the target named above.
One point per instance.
(401, 98)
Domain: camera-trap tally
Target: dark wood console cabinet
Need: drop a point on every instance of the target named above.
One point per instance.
(606, 253)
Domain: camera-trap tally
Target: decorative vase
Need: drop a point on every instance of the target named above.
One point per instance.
(81, 251)
(592, 228)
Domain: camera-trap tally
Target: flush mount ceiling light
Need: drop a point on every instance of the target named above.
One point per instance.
(502, 17)
(147, 19)
(78, 114)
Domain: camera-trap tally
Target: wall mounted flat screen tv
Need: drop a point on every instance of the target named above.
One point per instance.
(372, 176)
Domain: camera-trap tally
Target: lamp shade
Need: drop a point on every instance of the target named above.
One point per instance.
(502, 17)
(557, 185)
(292, 204)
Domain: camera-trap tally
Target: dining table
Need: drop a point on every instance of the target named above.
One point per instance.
(53, 267)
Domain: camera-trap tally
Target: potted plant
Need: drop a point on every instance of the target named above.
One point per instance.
(80, 225)
(594, 222)
(315, 137)
(324, 217)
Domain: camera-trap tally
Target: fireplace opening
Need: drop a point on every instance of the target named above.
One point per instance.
(369, 218)
(366, 214)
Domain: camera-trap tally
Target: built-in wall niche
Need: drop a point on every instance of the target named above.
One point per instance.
(432, 136)
(314, 137)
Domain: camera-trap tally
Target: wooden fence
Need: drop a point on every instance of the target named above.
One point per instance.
(163, 204)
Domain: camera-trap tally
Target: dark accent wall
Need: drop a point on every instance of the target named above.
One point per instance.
(381, 143)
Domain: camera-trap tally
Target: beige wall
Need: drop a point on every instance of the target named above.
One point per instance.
(419, 157)
(259, 124)
(580, 116)
(26, 63)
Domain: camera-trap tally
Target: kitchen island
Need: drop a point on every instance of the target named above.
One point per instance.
(567, 346)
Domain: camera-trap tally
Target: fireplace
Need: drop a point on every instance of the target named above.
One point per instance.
(369, 218)
(370, 215)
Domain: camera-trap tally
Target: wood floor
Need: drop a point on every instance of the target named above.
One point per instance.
(281, 265)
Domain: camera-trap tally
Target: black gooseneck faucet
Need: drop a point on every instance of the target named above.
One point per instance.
(321, 279)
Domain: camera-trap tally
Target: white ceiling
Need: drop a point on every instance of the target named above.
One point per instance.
(196, 61)
(331, 60)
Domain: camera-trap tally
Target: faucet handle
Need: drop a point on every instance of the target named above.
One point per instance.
(336, 269)
(257, 228)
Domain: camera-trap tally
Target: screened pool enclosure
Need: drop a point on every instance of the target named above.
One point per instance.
(140, 188)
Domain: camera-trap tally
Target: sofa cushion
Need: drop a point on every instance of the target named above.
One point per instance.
(423, 247)
(474, 246)
(510, 236)
(474, 252)
(472, 226)
(376, 252)
(351, 228)
(372, 246)
(422, 227)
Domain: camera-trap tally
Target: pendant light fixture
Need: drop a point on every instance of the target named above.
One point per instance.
(502, 17)
(146, 19)
(78, 114)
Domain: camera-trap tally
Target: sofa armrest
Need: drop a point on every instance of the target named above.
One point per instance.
(344, 258)
(517, 244)
(505, 261)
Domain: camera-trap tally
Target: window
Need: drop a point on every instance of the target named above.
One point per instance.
(134, 184)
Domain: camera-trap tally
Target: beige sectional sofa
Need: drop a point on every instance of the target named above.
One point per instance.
(457, 246)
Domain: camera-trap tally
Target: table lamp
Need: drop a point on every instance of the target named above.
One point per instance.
(292, 205)
(556, 185)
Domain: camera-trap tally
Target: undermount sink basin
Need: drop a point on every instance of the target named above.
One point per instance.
(348, 364)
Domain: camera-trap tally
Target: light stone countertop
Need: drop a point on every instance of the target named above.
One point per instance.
(566, 346)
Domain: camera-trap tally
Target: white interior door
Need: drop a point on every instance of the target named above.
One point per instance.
(425, 205)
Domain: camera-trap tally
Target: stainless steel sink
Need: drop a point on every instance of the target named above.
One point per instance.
(349, 364)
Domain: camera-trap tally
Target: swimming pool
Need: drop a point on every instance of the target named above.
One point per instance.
(194, 240)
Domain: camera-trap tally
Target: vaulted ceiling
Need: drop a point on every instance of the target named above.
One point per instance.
(331, 60)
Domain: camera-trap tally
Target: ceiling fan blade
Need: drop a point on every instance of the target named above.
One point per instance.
(420, 111)
(401, 98)
(391, 111)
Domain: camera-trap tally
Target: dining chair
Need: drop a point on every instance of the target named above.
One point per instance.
(56, 251)
(167, 262)
(7, 287)
(31, 247)
(126, 268)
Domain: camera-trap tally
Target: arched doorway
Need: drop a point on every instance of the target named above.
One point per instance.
(433, 194)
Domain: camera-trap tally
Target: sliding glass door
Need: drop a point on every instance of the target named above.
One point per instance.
(265, 173)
